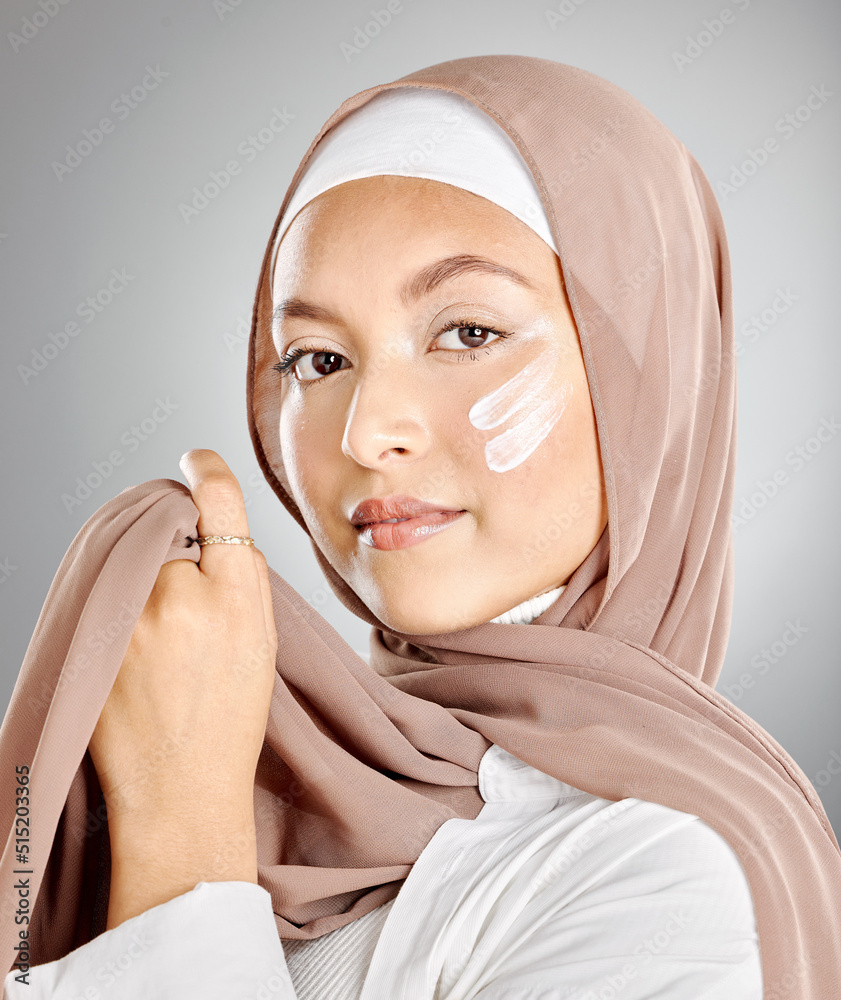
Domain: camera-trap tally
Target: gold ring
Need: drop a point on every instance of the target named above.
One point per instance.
(224, 540)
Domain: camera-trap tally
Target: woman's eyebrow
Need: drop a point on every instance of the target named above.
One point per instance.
(420, 284)
(428, 279)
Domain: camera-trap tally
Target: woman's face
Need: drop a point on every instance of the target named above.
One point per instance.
(489, 423)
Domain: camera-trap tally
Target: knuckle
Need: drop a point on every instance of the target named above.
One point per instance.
(172, 600)
(174, 577)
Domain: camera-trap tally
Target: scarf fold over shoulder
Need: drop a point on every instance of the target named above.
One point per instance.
(610, 690)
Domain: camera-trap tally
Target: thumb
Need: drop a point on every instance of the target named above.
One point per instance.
(218, 497)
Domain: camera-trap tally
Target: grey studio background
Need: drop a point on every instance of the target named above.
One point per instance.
(108, 229)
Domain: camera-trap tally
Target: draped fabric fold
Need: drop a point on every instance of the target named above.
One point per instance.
(610, 690)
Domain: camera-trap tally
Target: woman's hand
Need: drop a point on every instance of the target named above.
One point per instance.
(176, 746)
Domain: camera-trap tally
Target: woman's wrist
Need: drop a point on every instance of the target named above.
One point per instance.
(162, 857)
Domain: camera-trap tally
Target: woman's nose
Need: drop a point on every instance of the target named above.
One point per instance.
(386, 422)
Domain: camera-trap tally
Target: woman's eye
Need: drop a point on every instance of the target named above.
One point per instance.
(465, 336)
(308, 365)
(317, 364)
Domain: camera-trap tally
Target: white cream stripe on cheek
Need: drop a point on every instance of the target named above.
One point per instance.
(509, 449)
(530, 395)
(516, 394)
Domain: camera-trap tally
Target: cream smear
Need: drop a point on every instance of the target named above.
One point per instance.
(531, 399)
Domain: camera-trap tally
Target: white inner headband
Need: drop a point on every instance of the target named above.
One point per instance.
(419, 132)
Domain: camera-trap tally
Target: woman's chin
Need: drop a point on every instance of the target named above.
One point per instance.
(417, 617)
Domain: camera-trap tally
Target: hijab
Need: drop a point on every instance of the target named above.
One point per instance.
(611, 689)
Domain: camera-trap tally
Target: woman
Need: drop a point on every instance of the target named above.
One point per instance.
(496, 391)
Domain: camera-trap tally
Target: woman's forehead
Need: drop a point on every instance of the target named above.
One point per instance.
(399, 223)
(384, 199)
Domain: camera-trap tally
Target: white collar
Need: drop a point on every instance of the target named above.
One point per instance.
(504, 778)
(526, 612)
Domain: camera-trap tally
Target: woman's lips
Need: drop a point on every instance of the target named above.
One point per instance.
(398, 521)
(401, 534)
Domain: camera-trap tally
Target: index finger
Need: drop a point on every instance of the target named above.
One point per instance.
(218, 497)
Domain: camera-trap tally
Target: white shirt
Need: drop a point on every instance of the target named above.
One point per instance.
(550, 893)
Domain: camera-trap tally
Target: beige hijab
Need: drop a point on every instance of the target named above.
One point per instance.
(611, 690)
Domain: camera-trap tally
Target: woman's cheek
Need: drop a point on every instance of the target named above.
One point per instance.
(529, 405)
(301, 459)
